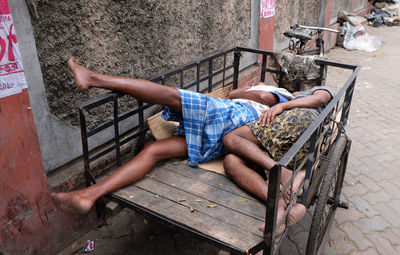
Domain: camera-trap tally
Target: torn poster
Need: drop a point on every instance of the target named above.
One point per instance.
(12, 77)
(267, 8)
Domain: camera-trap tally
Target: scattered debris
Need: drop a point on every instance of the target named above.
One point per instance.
(191, 209)
(352, 18)
(384, 13)
(356, 38)
(90, 246)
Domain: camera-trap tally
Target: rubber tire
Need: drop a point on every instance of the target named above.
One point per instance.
(334, 169)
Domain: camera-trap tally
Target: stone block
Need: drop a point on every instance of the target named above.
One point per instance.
(369, 251)
(355, 235)
(363, 206)
(357, 189)
(390, 235)
(376, 197)
(368, 225)
(388, 214)
(350, 214)
(395, 204)
(369, 183)
(113, 208)
(338, 247)
(382, 245)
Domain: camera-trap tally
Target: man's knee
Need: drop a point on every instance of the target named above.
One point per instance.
(173, 98)
(150, 149)
(229, 141)
(165, 149)
(230, 161)
(155, 151)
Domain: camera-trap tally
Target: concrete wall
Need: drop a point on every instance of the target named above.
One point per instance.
(288, 12)
(132, 39)
(350, 6)
(29, 221)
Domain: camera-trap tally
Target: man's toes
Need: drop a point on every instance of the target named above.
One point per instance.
(296, 213)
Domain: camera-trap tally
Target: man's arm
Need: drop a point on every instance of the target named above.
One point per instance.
(318, 98)
(258, 96)
(233, 94)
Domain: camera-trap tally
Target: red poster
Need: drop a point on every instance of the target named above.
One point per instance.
(267, 8)
(12, 78)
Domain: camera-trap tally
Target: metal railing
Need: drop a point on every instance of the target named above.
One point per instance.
(223, 74)
(322, 133)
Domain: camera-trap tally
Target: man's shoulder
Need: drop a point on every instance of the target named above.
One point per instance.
(329, 90)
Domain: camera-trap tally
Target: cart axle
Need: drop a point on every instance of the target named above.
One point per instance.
(340, 204)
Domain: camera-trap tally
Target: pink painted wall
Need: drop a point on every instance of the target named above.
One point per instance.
(29, 221)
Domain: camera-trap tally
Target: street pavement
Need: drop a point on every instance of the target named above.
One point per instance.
(371, 225)
(372, 182)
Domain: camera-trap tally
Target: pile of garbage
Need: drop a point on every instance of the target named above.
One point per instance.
(385, 12)
(353, 35)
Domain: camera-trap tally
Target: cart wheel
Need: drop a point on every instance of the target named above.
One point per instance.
(328, 196)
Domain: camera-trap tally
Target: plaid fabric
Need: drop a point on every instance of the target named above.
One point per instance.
(205, 121)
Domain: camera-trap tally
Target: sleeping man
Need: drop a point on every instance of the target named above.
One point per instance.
(204, 121)
(259, 144)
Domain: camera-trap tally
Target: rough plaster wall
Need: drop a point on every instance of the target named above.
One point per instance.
(288, 12)
(339, 5)
(359, 4)
(346, 5)
(129, 38)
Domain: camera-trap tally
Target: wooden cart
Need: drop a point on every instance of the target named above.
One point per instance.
(208, 204)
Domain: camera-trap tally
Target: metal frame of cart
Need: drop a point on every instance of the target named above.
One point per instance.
(231, 225)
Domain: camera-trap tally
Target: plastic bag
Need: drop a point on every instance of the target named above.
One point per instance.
(356, 38)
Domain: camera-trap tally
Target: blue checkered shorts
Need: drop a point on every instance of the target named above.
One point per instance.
(205, 121)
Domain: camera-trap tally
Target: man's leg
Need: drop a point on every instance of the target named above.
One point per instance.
(245, 176)
(142, 90)
(251, 181)
(81, 201)
(243, 143)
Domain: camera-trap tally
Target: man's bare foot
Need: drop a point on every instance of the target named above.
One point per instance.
(298, 180)
(72, 202)
(296, 213)
(82, 75)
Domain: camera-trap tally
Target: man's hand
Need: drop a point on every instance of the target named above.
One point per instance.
(268, 117)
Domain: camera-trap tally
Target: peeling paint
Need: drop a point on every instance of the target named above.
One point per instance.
(17, 219)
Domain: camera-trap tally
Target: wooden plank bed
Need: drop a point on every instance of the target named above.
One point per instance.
(198, 200)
